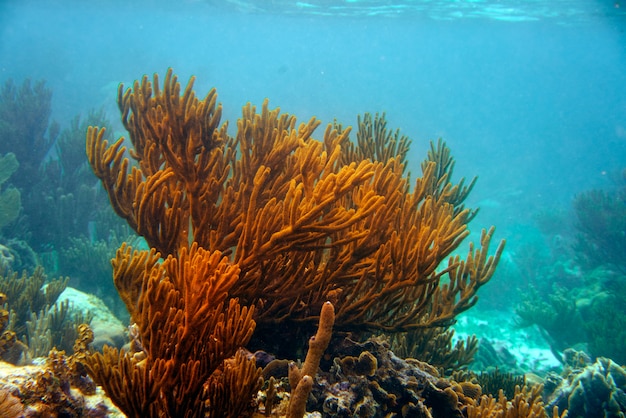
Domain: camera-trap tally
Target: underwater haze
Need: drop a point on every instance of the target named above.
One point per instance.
(529, 95)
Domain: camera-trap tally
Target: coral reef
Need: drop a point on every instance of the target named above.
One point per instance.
(597, 389)
(57, 387)
(27, 294)
(368, 380)
(50, 201)
(390, 385)
(590, 314)
(60, 202)
(582, 300)
(604, 321)
(526, 402)
(434, 346)
(17, 255)
(7, 259)
(558, 318)
(600, 247)
(68, 205)
(54, 327)
(88, 264)
(34, 322)
(495, 381)
(107, 328)
(70, 163)
(305, 221)
(271, 224)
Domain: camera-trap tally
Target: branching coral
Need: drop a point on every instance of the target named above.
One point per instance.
(375, 142)
(187, 329)
(494, 381)
(304, 221)
(66, 204)
(49, 389)
(601, 221)
(11, 350)
(526, 402)
(435, 347)
(53, 180)
(54, 327)
(24, 117)
(69, 149)
(27, 294)
(87, 262)
(35, 318)
(10, 198)
(276, 221)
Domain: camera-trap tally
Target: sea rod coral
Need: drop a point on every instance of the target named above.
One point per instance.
(303, 219)
(273, 220)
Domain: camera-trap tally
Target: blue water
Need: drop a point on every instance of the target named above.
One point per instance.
(531, 96)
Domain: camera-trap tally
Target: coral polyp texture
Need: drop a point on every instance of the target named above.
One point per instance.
(264, 227)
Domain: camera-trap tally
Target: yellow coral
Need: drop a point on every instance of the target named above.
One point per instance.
(526, 403)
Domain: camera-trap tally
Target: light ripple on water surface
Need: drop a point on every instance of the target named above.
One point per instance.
(563, 11)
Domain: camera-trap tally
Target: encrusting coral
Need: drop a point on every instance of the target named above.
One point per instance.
(275, 221)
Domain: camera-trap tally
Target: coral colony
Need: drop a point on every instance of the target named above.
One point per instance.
(269, 273)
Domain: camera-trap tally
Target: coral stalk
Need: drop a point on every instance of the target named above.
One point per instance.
(301, 380)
